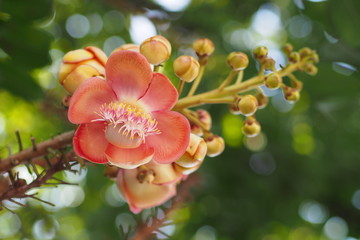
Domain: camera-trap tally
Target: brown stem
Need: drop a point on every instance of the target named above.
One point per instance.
(36, 150)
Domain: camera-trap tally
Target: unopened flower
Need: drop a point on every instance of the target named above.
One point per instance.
(148, 186)
(251, 127)
(237, 61)
(186, 68)
(125, 119)
(248, 105)
(194, 154)
(156, 49)
(215, 145)
(128, 46)
(273, 81)
(203, 47)
(79, 65)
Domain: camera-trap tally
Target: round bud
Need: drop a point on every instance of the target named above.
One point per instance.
(66, 101)
(262, 100)
(294, 57)
(215, 145)
(273, 81)
(268, 63)
(156, 49)
(251, 127)
(288, 48)
(129, 46)
(111, 172)
(194, 154)
(186, 68)
(237, 61)
(205, 118)
(310, 69)
(304, 52)
(291, 94)
(196, 129)
(248, 105)
(260, 52)
(314, 57)
(79, 65)
(203, 47)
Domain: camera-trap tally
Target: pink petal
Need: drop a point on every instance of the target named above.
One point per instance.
(174, 138)
(161, 95)
(89, 142)
(129, 158)
(87, 100)
(129, 74)
(142, 195)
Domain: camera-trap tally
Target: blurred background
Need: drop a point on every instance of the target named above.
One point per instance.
(298, 180)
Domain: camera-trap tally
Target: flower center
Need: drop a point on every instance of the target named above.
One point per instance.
(128, 124)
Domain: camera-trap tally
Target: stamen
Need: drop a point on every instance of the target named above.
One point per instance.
(131, 120)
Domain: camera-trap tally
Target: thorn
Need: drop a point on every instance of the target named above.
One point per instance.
(9, 150)
(36, 198)
(8, 209)
(33, 142)
(11, 176)
(18, 137)
(13, 201)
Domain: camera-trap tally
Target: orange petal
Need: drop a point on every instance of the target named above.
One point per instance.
(89, 142)
(164, 173)
(98, 53)
(88, 99)
(78, 76)
(161, 95)
(129, 74)
(129, 158)
(76, 56)
(142, 195)
(174, 138)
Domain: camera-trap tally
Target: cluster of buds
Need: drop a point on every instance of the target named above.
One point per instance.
(146, 153)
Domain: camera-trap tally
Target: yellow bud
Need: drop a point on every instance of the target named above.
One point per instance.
(205, 118)
(237, 61)
(251, 127)
(304, 52)
(314, 57)
(129, 46)
(203, 47)
(288, 48)
(156, 49)
(294, 57)
(248, 105)
(186, 68)
(194, 154)
(268, 63)
(111, 171)
(79, 65)
(215, 145)
(310, 69)
(291, 94)
(260, 52)
(273, 81)
(262, 100)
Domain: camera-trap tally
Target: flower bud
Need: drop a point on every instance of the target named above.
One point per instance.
(310, 69)
(205, 118)
(314, 57)
(294, 57)
(291, 94)
(66, 101)
(304, 52)
(273, 81)
(215, 145)
(194, 154)
(268, 63)
(203, 47)
(129, 46)
(79, 65)
(186, 68)
(111, 171)
(237, 61)
(196, 129)
(260, 52)
(262, 100)
(248, 105)
(156, 49)
(288, 48)
(251, 127)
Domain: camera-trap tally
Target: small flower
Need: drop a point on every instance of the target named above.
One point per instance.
(79, 65)
(125, 119)
(148, 186)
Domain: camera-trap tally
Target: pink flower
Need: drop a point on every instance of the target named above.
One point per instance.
(149, 185)
(126, 119)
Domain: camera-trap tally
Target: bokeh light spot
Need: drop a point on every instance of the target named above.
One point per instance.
(173, 6)
(313, 212)
(336, 228)
(77, 26)
(343, 68)
(300, 26)
(205, 233)
(141, 28)
(111, 43)
(231, 130)
(10, 224)
(262, 163)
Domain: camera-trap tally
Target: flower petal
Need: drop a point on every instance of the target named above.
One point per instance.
(174, 138)
(161, 95)
(89, 142)
(129, 74)
(164, 173)
(88, 99)
(129, 158)
(142, 195)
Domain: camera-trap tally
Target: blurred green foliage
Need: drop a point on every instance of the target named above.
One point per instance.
(300, 177)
